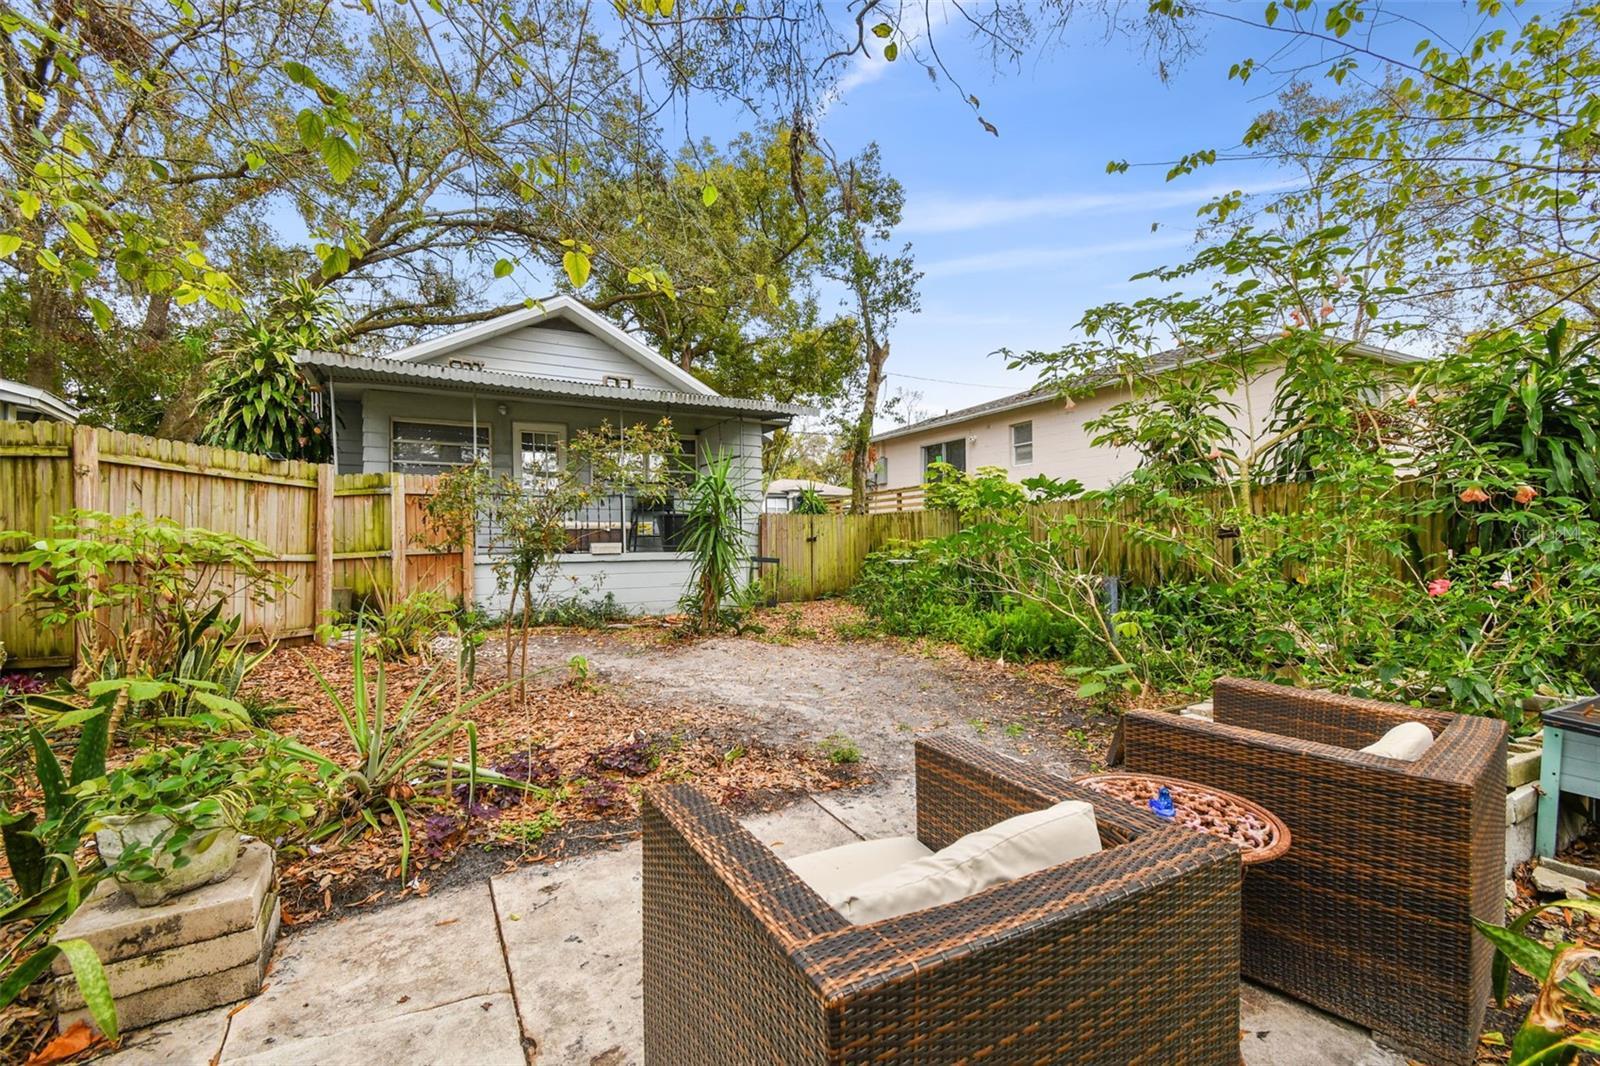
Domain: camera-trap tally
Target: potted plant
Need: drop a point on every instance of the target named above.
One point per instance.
(171, 820)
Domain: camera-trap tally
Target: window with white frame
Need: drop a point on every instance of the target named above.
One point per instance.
(434, 447)
(537, 455)
(1022, 444)
(953, 452)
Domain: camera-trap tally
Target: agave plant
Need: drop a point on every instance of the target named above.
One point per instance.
(393, 750)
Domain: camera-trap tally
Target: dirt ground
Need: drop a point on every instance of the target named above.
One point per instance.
(796, 683)
(788, 706)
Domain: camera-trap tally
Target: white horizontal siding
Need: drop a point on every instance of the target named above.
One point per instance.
(1062, 447)
(562, 354)
(650, 583)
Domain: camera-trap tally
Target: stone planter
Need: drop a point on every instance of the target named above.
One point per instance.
(211, 854)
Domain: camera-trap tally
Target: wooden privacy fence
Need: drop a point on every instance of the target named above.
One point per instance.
(822, 555)
(321, 531)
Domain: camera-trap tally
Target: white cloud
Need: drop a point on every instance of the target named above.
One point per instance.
(946, 214)
(1035, 258)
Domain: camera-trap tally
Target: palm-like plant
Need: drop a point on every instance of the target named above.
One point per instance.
(713, 534)
(258, 399)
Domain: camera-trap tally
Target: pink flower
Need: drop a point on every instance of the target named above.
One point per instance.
(1411, 397)
(1214, 453)
(1525, 494)
(1295, 317)
(1474, 495)
(1327, 310)
(1504, 584)
(1438, 586)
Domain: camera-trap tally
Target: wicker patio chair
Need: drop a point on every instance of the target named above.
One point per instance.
(1127, 955)
(1369, 914)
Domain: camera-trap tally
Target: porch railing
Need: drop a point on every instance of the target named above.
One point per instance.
(615, 524)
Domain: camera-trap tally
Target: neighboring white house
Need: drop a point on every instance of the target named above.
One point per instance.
(26, 403)
(515, 389)
(1040, 432)
(783, 493)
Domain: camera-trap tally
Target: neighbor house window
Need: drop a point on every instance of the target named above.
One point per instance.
(1022, 444)
(618, 382)
(953, 452)
(434, 447)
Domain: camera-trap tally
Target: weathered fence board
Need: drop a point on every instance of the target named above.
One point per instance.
(822, 555)
(35, 485)
(320, 531)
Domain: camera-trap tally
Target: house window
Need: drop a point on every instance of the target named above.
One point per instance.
(880, 472)
(953, 452)
(434, 447)
(1022, 444)
(618, 382)
(539, 455)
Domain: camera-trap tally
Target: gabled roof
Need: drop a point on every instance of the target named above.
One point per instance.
(570, 310)
(373, 370)
(1158, 363)
(15, 393)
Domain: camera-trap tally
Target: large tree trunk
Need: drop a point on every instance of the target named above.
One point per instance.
(49, 310)
(861, 436)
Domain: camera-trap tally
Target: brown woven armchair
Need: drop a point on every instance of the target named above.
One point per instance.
(1369, 914)
(1127, 955)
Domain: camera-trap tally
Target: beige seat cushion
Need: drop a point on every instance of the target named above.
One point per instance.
(837, 870)
(1013, 848)
(1407, 741)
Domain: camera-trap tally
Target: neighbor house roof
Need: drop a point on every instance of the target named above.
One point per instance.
(368, 370)
(1045, 393)
(569, 310)
(783, 486)
(16, 394)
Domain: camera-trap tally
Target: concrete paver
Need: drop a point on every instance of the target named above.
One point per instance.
(572, 945)
(337, 976)
(479, 1031)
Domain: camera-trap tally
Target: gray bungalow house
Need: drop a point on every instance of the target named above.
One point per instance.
(515, 389)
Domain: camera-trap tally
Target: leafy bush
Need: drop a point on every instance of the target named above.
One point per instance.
(138, 592)
(403, 628)
(925, 590)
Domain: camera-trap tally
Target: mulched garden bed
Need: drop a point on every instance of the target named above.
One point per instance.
(594, 750)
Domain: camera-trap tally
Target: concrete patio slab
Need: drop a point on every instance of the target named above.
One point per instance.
(887, 810)
(800, 829)
(481, 1030)
(571, 936)
(196, 1039)
(1283, 1032)
(374, 967)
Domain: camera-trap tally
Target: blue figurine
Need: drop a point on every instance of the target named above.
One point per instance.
(1162, 803)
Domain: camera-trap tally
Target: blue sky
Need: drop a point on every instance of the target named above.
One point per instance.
(1019, 233)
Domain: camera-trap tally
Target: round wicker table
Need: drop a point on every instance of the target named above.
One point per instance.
(1259, 834)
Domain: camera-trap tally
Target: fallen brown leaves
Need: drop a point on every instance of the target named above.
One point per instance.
(568, 729)
(75, 1041)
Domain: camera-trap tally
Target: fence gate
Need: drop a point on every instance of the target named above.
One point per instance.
(822, 555)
